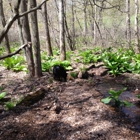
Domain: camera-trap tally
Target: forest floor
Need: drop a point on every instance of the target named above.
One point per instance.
(69, 110)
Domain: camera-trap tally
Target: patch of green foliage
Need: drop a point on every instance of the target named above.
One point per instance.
(88, 57)
(119, 61)
(10, 105)
(56, 51)
(96, 49)
(15, 63)
(69, 54)
(13, 48)
(46, 62)
(114, 96)
(50, 61)
(73, 74)
(138, 96)
(64, 63)
(13, 103)
(2, 50)
(2, 95)
(136, 64)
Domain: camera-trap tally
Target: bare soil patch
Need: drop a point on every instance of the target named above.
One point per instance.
(69, 110)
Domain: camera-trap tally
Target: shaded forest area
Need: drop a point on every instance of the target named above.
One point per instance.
(69, 70)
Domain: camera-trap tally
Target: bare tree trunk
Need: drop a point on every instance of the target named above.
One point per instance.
(73, 25)
(27, 38)
(2, 17)
(85, 18)
(23, 9)
(35, 40)
(128, 30)
(97, 22)
(46, 26)
(20, 32)
(19, 25)
(95, 27)
(92, 19)
(68, 36)
(136, 26)
(62, 31)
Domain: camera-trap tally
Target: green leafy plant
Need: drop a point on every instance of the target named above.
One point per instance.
(118, 62)
(2, 50)
(77, 60)
(19, 67)
(96, 49)
(10, 105)
(136, 63)
(13, 47)
(138, 96)
(46, 61)
(15, 63)
(73, 74)
(114, 96)
(66, 64)
(46, 66)
(69, 54)
(50, 61)
(88, 57)
(56, 51)
(13, 103)
(2, 95)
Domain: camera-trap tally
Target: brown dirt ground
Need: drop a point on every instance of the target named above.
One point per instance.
(70, 110)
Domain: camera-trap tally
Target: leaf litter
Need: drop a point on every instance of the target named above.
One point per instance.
(68, 111)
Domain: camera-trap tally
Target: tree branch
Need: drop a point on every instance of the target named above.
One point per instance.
(33, 9)
(105, 7)
(7, 27)
(16, 52)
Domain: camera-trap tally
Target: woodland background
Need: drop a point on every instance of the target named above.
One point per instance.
(98, 43)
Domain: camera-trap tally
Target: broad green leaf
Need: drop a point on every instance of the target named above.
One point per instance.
(2, 95)
(138, 96)
(116, 93)
(106, 100)
(127, 104)
(69, 68)
(10, 105)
